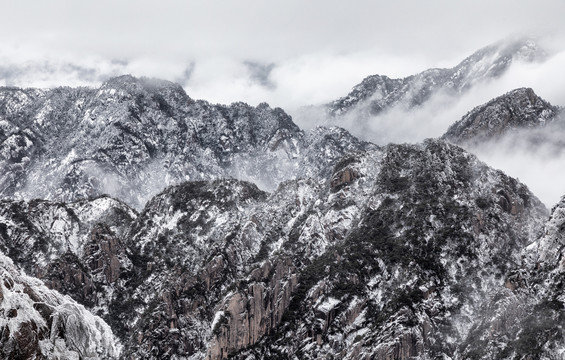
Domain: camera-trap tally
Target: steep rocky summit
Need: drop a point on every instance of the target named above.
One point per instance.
(516, 110)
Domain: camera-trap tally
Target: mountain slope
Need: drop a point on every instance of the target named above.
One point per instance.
(356, 251)
(130, 138)
(39, 323)
(431, 235)
(380, 252)
(133, 137)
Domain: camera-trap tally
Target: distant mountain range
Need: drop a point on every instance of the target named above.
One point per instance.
(138, 223)
(377, 93)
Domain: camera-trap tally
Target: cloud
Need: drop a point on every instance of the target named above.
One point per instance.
(260, 73)
(535, 157)
(301, 52)
(272, 31)
(48, 73)
(320, 48)
(184, 79)
(540, 166)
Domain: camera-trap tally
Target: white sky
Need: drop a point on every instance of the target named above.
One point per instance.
(316, 50)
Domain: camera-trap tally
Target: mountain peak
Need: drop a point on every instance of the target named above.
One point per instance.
(519, 108)
(518, 48)
(523, 48)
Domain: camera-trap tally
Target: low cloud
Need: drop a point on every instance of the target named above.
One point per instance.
(534, 156)
(184, 79)
(315, 75)
(46, 72)
(434, 117)
(260, 73)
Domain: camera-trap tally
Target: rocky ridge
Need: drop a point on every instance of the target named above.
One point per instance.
(377, 93)
(133, 137)
(519, 109)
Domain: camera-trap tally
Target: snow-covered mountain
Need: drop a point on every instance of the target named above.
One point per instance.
(228, 232)
(521, 134)
(520, 109)
(375, 259)
(377, 93)
(133, 137)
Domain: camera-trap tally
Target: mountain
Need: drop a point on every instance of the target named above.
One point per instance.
(260, 240)
(129, 138)
(377, 93)
(520, 109)
(408, 269)
(393, 253)
(521, 134)
(132, 137)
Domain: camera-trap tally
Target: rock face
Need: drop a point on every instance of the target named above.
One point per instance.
(75, 248)
(517, 110)
(39, 323)
(377, 93)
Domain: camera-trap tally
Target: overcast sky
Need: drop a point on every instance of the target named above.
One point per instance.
(288, 53)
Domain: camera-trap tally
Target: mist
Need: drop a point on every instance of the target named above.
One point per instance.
(534, 156)
(541, 150)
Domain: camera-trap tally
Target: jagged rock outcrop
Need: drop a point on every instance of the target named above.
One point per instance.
(516, 110)
(75, 248)
(39, 323)
(551, 251)
(254, 312)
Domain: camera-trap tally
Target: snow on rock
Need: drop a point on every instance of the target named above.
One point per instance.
(39, 322)
(504, 115)
(356, 251)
